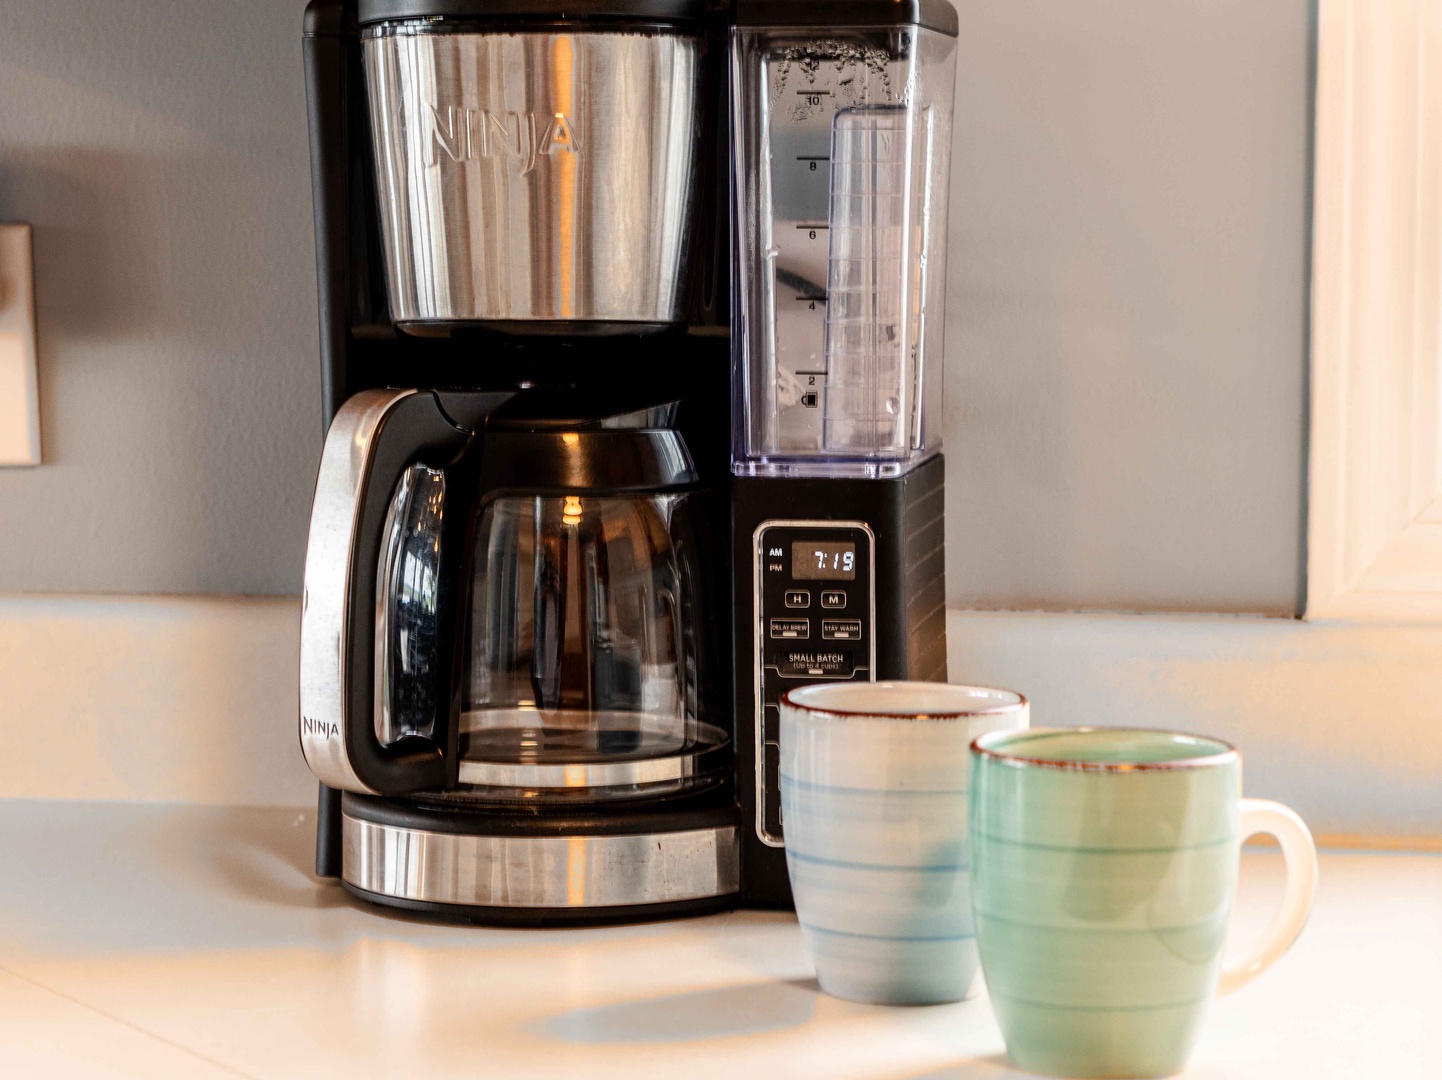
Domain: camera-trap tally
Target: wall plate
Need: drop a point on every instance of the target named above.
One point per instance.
(19, 389)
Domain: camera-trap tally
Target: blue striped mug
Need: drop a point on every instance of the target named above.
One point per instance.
(874, 793)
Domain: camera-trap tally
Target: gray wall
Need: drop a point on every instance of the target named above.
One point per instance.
(1126, 327)
(159, 150)
(1126, 371)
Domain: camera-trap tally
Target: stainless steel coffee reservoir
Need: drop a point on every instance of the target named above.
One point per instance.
(533, 177)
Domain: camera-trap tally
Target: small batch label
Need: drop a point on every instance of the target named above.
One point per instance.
(807, 662)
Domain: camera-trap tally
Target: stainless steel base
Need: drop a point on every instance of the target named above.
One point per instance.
(542, 872)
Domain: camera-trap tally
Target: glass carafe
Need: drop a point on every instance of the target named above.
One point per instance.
(582, 654)
(583, 650)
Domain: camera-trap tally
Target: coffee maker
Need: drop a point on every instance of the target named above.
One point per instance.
(631, 348)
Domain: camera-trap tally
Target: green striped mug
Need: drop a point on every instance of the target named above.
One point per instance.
(1104, 862)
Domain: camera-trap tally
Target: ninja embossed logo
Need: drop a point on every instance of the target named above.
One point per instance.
(325, 729)
(468, 134)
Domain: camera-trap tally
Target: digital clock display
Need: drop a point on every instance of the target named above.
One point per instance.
(823, 560)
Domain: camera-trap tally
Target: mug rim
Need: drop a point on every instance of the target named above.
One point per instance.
(980, 747)
(1005, 709)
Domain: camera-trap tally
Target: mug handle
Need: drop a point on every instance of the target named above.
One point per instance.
(1300, 853)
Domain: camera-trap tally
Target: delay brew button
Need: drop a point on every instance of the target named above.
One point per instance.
(841, 629)
(799, 598)
(796, 629)
(833, 598)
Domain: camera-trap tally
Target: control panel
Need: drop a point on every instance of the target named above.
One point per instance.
(815, 621)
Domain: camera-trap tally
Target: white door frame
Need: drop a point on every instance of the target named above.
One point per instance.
(1375, 528)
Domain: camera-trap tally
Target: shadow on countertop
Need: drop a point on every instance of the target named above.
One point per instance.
(715, 1013)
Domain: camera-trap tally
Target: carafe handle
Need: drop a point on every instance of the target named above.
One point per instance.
(375, 437)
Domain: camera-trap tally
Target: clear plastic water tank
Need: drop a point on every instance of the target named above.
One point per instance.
(842, 160)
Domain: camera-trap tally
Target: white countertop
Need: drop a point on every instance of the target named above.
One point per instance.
(189, 942)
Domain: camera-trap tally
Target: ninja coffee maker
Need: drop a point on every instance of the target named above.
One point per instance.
(631, 341)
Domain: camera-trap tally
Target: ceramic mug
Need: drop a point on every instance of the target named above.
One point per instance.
(1104, 866)
(874, 780)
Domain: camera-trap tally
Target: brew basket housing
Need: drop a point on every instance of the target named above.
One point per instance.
(533, 176)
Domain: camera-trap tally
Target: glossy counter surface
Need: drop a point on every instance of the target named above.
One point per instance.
(191, 942)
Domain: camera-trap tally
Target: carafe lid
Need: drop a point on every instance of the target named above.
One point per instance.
(572, 441)
(585, 462)
(582, 410)
(665, 11)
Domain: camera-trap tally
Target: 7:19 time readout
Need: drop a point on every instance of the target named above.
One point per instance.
(823, 560)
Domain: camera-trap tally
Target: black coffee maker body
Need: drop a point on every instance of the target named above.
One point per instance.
(630, 312)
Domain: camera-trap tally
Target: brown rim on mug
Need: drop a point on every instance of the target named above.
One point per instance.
(1000, 708)
(980, 745)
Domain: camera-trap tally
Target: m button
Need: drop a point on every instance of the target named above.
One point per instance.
(833, 599)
